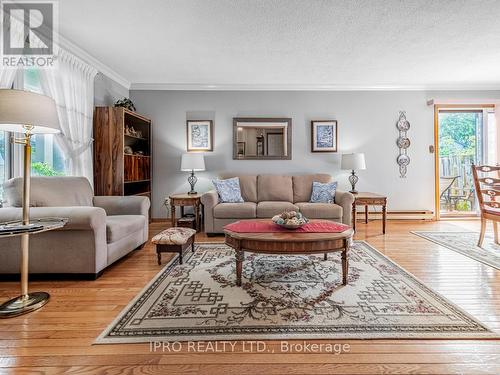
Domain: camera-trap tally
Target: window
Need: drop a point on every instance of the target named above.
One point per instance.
(46, 156)
(4, 173)
(491, 139)
(466, 135)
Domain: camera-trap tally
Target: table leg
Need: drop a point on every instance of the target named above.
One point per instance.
(354, 216)
(384, 217)
(240, 255)
(366, 214)
(345, 263)
(325, 256)
(172, 213)
(202, 215)
(345, 267)
(197, 216)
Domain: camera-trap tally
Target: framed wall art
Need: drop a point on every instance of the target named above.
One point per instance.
(199, 135)
(324, 136)
(264, 138)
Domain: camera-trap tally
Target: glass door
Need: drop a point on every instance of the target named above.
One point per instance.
(462, 141)
(3, 161)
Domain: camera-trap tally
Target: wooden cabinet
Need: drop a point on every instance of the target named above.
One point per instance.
(122, 152)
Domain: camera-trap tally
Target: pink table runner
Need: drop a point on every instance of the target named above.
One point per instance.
(250, 226)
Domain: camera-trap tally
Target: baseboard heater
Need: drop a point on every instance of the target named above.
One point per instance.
(397, 215)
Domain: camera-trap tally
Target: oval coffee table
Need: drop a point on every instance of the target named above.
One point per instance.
(289, 243)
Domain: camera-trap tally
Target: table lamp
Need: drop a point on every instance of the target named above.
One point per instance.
(28, 113)
(192, 162)
(353, 162)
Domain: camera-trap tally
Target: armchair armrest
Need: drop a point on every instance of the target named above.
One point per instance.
(129, 205)
(345, 200)
(79, 218)
(86, 223)
(209, 200)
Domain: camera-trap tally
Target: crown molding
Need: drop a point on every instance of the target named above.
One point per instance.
(91, 60)
(69, 46)
(311, 87)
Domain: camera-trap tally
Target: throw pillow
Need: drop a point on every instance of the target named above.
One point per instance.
(229, 190)
(323, 193)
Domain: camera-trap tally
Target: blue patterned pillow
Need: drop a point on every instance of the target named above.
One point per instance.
(229, 190)
(323, 193)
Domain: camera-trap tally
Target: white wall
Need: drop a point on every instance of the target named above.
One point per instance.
(366, 123)
(108, 91)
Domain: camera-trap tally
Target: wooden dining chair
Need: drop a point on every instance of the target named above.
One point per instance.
(487, 190)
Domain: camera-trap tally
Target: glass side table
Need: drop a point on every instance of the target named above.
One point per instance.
(27, 302)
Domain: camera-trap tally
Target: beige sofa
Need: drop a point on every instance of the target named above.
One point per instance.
(100, 230)
(268, 195)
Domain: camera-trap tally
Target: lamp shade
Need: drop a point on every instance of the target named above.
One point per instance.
(18, 108)
(192, 162)
(353, 162)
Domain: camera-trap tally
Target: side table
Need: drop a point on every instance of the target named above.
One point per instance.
(27, 302)
(183, 200)
(365, 199)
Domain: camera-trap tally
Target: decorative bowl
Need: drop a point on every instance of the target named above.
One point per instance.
(290, 220)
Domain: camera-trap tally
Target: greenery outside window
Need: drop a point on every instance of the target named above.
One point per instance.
(47, 157)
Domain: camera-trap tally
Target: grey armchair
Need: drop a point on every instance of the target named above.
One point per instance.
(100, 230)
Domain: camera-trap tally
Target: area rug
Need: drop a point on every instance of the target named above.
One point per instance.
(288, 297)
(465, 243)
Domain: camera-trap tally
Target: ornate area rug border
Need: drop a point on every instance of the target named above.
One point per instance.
(427, 235)
(334, 332)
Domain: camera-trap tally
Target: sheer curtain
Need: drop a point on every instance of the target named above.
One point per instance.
(7, 76)
(71, 85)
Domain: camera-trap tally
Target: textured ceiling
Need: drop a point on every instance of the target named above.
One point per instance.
(350, 43)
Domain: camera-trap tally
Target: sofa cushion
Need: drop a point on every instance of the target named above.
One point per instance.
(323, 193)
(228, 190)
(274, 188)
(248, 186)
(302, 185)
(54, 191)
(269, 209)
(119, 226)
(320, 210)
(245, 210)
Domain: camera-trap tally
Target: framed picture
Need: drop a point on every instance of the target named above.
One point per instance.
(266, 138)
(324, 136)
(200, 135)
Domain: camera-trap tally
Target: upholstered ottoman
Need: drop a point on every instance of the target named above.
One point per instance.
(174, 240)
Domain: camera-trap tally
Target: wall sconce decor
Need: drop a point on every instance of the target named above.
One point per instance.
(403, 142)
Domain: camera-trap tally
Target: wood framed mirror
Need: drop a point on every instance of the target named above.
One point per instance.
(257, 138)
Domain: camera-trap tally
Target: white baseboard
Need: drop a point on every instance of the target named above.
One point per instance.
(397, 215)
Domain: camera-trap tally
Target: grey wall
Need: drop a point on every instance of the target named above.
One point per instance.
(366, 123)
(107, 91)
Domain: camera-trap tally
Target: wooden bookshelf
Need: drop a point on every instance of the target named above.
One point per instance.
(115, 171)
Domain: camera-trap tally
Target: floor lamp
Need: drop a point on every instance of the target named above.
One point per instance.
(27, 113)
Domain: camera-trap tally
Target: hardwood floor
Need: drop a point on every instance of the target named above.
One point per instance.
(58, 338)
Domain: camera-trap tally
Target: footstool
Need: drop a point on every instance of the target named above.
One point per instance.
(174, 240)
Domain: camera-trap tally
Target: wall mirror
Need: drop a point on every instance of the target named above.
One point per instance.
(262, 138)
